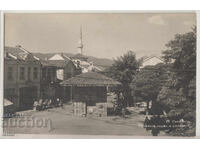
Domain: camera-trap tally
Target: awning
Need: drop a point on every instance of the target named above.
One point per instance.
(7, 102)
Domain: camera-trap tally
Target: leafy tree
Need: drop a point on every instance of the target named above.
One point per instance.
(148, 82)
(123, 70)
(182, 52)
(177, 97)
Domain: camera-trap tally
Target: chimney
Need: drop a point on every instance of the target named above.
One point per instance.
(18, 46)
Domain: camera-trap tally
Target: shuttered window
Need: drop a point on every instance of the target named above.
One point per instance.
(35, 73)
(29, 73)
(22, 73)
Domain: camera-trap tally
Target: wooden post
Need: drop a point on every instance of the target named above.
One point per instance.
(64, 90)
(71, 93)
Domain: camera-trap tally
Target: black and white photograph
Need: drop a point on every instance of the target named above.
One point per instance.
(100, 74)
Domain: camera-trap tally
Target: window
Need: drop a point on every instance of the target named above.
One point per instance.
(22, 73)
(10, 73)
(29, 73)
(35, 73)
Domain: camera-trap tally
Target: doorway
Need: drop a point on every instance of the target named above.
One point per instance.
(27, 95)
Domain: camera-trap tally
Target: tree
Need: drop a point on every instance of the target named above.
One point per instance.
(181, 51)
(123, 70)
(177, 96)
(148, 82)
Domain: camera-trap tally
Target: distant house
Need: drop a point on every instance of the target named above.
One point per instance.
(89, 91)
(59, 61)
(151, 61)
(85, 66)
(59, 57)
(65, 66)
(21, 77)
(70, 66)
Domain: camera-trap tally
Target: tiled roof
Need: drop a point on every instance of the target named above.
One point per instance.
(90, 79)
(58, 63)
(150, 57)
(151, 61)
(17, 52)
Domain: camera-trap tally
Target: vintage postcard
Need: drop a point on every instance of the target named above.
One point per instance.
(99, 74)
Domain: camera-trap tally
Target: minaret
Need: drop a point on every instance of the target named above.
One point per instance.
(80, 44)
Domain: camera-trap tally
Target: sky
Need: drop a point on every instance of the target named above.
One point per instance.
(105, 35)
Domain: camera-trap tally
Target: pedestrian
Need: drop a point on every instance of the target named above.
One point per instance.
(40, 104)
(61, 103)
(123, 112)
(46, 103)
(146, 122)
(155, 131)
(35, 105)
(57, 102)
(49, 103)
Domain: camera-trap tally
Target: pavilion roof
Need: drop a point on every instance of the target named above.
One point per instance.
(90, 79)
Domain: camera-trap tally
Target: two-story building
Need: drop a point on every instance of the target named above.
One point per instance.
(21, 77)
(49, 81)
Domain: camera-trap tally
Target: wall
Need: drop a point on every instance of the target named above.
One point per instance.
(91, 95)
(10, 86)
(16, 83)
(70, 70)
(48, 74)
(60, 74)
